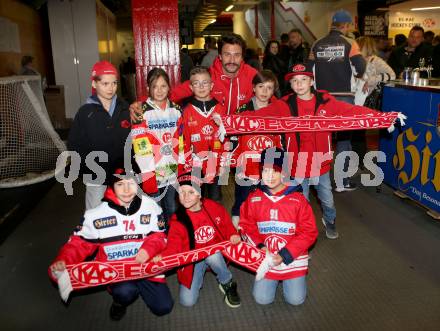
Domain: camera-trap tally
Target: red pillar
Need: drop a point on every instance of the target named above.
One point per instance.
(156, 40)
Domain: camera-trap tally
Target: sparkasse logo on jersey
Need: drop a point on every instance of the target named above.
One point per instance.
(259, 143)
(204, 234)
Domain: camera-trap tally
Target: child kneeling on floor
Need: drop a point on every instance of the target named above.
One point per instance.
(199, 223)
(279, 220)
(139, 219)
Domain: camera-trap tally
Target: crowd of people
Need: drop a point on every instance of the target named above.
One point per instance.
(177, 156)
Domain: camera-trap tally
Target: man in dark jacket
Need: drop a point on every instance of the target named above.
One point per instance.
(335, 56)
(409, 54)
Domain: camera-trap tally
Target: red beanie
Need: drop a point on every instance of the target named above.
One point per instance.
(103, 68)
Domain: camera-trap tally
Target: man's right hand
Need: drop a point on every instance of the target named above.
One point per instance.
(136, 112)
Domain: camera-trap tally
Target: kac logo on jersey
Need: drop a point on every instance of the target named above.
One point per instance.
(105, 222)
(258, 143)
(145, 219)
(274, 243)
(204, 234)
(208, 130)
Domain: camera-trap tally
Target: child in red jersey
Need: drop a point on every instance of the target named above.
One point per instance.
(201, 132)
(279, 219)
(250, 146)
(199, 223)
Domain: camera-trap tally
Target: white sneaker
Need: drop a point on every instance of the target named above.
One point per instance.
(235, 220)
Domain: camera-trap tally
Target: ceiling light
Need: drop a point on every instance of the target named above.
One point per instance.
(424, 8)
(229, 8)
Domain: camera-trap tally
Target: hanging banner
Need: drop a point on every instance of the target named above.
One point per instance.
(376, 24)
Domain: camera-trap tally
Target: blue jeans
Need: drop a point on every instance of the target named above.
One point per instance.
(157, 296)
(343, 138)
(294, 290)
(188, 297)
(323, 186)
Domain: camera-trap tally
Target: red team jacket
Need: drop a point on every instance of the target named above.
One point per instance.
(250, 146)
(325, 105)
(211, 225)
(200, 134)
(229, 92)
(284, 223)
(105, 230)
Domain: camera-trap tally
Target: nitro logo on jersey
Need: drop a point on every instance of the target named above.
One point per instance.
(259, 143)
(145, 219)
(204, 234)
(105, 222)
(274, 243)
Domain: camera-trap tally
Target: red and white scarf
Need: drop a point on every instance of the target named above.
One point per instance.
(94, 273)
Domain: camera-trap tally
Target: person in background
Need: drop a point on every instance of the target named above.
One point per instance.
(186, 64)
(436, 40)
(135, 232)
(429, 37)
(399, 40)
(296, 52)
(409, 54)
(273, 62)
(27, 67)
(377, 71)
(337, 59)
(102, 124)
(383, 47)
(436, 61)
(251, 58)
(212, 53)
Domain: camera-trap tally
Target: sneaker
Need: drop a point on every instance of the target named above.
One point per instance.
(235, 220)
(117, 311)
(232, 298)
(330, 230)
(346, 188)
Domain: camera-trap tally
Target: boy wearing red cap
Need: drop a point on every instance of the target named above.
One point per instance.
(102, 126)
(311, 152)
(134, 229)
(199, 223)
(278, 219)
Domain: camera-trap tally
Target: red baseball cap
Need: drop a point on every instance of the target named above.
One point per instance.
(103, 68)
(300, 69)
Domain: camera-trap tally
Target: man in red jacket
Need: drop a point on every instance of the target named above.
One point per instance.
(232, 78)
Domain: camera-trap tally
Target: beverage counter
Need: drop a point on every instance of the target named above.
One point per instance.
(413, 152)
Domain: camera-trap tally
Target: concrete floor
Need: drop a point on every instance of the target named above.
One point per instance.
(383, 273)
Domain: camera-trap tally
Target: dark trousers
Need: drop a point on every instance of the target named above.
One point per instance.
(213, 190)
(157, 296)
(167, 200)
(241, 194)
(343, 138)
